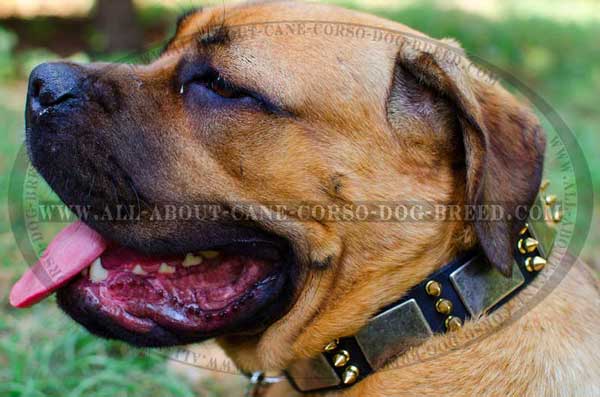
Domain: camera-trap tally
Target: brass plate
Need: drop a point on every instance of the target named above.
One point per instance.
(313, 373)
(393, 332)
(480, 286)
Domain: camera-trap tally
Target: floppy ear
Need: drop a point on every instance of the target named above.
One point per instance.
(503, 141)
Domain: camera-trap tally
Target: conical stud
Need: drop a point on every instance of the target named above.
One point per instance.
(535, 264)
(523, 229)
(557, 215)
(331, 345)
(350, 375)
(453, 323)
(550, 199)
(527, 245)
(443, 306)
(433, 288)
(341, 358)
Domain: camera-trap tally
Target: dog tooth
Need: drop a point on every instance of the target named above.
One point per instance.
(164, 268)
(191, 260)
(97, 272)
(209, 254)
(137, 269)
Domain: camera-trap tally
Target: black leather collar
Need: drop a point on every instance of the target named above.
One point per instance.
(465, 288)
(406, 323)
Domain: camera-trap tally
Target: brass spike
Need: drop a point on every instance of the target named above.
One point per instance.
(550, 199)
(443, 306)
(453, 323)
(331, 345)
(557, 215)
(350, 375)
(544, 185)
(524, 229)
(527, 245)
(341, 358)
(433, 288)
(535, 264)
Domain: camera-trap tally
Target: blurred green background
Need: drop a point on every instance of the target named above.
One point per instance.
(552, 46)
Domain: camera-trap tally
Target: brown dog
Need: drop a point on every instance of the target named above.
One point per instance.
(295, 103)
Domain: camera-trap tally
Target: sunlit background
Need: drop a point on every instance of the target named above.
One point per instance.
(553, 46)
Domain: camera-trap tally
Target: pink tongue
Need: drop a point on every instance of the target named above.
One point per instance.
(71, 251)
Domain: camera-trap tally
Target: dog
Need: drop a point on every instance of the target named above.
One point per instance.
(292, 103)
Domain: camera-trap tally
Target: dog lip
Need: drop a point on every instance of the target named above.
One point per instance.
(188, 237)
(84, 310)
(263, 302)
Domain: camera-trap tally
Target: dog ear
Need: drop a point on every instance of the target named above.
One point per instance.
(503, 141)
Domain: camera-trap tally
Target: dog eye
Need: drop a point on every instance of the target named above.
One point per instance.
(217, 84)
(225, 89)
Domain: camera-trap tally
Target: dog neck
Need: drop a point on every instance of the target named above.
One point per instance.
(463, 289)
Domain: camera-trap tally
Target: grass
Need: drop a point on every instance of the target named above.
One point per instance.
(42, 353)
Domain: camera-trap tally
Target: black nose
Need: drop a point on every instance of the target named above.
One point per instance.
(51, 84)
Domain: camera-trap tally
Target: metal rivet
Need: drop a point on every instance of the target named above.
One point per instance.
(433, 288)
(527, 245)
(535, 264)
(453, 323)
(443, 306)
(341, 358)
(331, 345)
(557, 215)
(550, 199)
(350, 375)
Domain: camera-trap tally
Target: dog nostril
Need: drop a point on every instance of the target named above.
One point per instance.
(36, 88)
(48, 98)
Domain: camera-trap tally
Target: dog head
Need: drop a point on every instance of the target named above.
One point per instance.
(278, 103)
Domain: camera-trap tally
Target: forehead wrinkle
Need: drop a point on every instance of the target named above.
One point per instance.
(218, 35)
(211, 24)
(188, 25)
